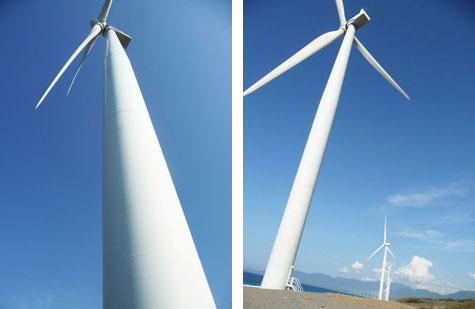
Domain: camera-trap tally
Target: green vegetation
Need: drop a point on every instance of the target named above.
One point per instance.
(466, 304)
(442, 303)
(413, 300)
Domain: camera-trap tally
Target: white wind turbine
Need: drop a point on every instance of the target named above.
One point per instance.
(385, 245)
(388, 282)
(149, 257)
(291, 227)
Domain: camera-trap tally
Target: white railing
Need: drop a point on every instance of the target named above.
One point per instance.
(294, 285)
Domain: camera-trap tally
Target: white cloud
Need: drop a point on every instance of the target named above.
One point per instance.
(417, 271)
(457, 216)
(344, 270)
(377, 270)
(424, 235)
(439, 240)
(375, 276)
(472, 276)
(458, 245)
(357, 266)
(421, 199)
(418, 274)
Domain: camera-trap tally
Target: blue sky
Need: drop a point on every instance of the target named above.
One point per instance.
(413, 161)
(51, 159)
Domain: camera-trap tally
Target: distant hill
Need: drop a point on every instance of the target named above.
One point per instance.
(318, 282)
(462, 295)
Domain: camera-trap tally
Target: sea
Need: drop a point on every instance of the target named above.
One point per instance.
(256, 279)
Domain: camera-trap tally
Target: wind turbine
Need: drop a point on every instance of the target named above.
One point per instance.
(385, 245)
(388, 282)
(291, 227)
(149, 257)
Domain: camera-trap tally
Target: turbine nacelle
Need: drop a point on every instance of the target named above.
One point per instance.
(123, 38)
(358, 21)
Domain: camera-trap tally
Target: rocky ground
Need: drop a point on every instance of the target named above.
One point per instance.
(257, 298)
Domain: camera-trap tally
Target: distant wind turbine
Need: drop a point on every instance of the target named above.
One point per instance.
(388, 282)
(385, 245)
(291, 227)
(149, 257)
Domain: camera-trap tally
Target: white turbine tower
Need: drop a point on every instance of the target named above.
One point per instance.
(149, 257)
(291, 227)
(388, 282)
(385, 245)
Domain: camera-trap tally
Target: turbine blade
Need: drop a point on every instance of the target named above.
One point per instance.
(389, 250)
(105, 11)
(341, 12)
(378, 67)
(384, 229)
(301, 55)
(376, 251)
(84, 55)
(94, 33)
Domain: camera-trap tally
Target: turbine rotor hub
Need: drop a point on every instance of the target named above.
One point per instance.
(96, 21)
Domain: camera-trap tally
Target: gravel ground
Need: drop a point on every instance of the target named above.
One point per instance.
(275, 299)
